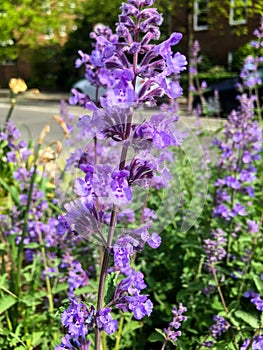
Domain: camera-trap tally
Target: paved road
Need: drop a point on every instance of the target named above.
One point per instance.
(31, 118)
(32, 115)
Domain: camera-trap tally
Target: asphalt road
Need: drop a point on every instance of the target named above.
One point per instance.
(31, 116)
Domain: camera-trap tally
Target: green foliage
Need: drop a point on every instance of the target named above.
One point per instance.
(32, 23)
(244, 51)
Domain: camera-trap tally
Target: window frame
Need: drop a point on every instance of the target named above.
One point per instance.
(233, 7)
(197, 13)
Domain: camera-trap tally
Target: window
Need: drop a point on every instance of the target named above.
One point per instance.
(63, 31)
(238, 12)
(46, 7)
(49, 33)
(200, 14)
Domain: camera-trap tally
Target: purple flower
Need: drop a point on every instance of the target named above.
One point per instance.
(105, 322)
(208, 344)
(78, 319)
(154, 241)
(255, 299)
(252, 226)
(84, 58)
(122, 256)
(238, 210)
(165, 47)
(245, 344)
(80, 99)
(214, 248)
(178, 318)
(65, 344)
(220, 326)
(257, 343)
(222, 211)
(139, 171)
(120, 187)
(83, 218)
(140, 305)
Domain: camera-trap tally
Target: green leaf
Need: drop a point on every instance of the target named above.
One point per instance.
(155, 337)
(86, 289)
(160, 331)
(32, 245)
(6, 302)
(110, 285)
(248, 318)
(37, 338)
(130, 326)
(181, 345)
(223, 345)
(258, 282)
(12, 190)
(59, 288)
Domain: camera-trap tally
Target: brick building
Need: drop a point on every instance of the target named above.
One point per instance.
(220, 34)
(196, 19)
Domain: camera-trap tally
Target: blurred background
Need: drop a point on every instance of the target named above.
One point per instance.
(40, 39)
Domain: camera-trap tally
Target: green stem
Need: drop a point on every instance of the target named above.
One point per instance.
(104, 341)
(219, 289)
(10, 112)
(223, 301)
(25, 224)
(104, 271)
(49, 289)
(118, 337)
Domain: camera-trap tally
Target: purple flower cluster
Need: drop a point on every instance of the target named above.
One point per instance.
(255, 299)
(108, 181)
(214, 248)
(49, 233)
(77, 277)
(78, 319)
(195, 60)
(220, 326)
(138, 25)
(172, 332)
(239, 151)
(12, 223)
(217, 329)
(134, 71)
(127, 296)
(249, 73)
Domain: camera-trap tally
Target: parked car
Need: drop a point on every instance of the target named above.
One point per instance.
(84, 86)
(221, 97)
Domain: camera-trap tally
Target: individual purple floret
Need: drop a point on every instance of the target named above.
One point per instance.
(257, 343)
(67, 343)
(172, 332)
(208, 344)
(255, 299)
(253, 227)
(245, 344)
(220, 326)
